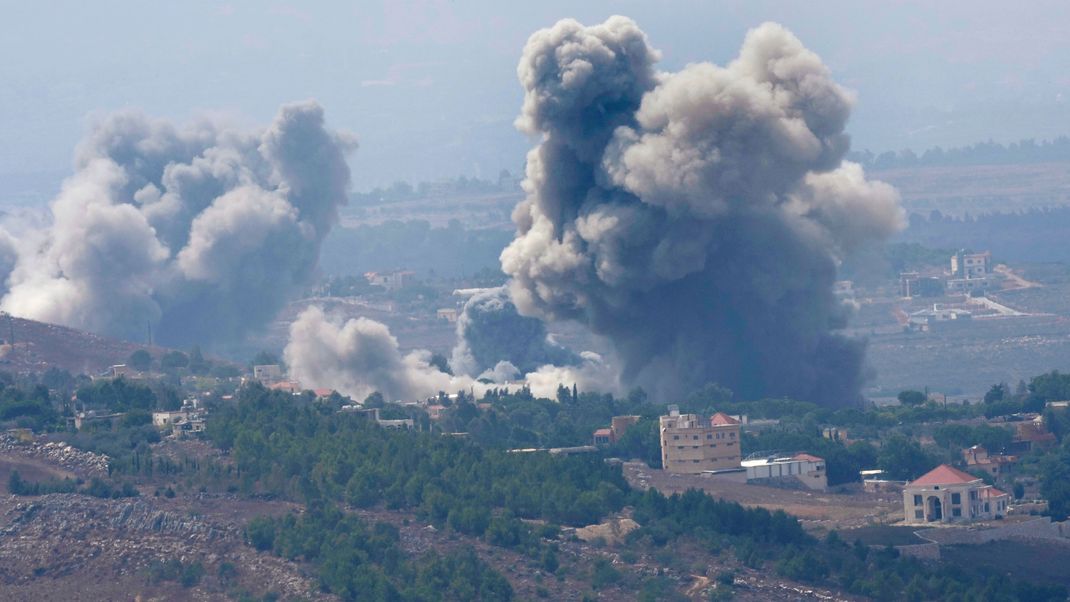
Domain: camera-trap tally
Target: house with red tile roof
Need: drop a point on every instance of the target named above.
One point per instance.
(946, 494)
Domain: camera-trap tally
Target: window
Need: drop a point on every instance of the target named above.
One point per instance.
(973, 494)
(676, 437)
(956, 498)
(919, 514)
(694, 461)
(956, 512)
(709, 435)
(986, 507)
(713, 445)
(732, 435)
(695, 438)
(917, 500)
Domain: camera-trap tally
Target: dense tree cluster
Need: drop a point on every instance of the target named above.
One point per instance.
(358, 561)
(309, 452)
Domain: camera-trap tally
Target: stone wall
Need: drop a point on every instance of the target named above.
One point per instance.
(1040, 528)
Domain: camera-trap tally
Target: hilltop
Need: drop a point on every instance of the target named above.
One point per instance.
(38, 346)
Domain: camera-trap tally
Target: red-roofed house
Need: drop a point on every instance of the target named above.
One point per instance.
(603, 437)
(946, 494)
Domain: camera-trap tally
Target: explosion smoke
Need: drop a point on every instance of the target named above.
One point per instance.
(694, 218)
(359, 356)
(490, 331)
(204, 231)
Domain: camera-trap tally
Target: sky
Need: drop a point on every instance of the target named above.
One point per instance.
(430, 87)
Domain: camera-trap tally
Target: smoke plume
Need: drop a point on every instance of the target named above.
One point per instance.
(695, 218)
(203, 231)
(490, 331)
(359, 356)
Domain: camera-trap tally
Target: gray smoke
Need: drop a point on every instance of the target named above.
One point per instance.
(695, 218)
(357, 357)
(489, 331)
(203, 231)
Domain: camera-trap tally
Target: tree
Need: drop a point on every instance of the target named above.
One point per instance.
(140, 360)
(903, 458)
(173, 360)
(912, 398)
(998, 392)
(375, 400)
(265, 358)
(197, 364)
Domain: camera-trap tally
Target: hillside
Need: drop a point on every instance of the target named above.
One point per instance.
(39, 346)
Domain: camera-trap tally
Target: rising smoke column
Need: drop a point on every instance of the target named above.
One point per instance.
(694, 218)
(489, 331)
(203, 231)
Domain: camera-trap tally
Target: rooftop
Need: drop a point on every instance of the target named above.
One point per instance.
(944, 475)
(722, 419)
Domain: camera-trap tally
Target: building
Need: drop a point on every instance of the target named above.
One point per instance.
(913, 284)
(448, 314)
(391, 281)
(799, 469)
(971, 266)
(948, 495)
(836, 434)
(939, 317)
(165, 420)
(979, 458)
(399, 424)
(617, 427)
(1034, 434)
(93, 418)
(267, 373)
(693, 445)
(970, 272)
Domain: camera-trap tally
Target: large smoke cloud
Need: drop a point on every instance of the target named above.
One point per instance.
(490, 330)
(695, 218)
(203, 231)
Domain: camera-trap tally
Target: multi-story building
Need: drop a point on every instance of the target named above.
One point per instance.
(971, 265)
(693, 445)
(948, 495)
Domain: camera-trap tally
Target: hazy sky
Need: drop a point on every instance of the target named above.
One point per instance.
(430, 88)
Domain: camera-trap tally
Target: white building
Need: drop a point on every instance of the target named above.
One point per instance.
(948, 495)
(802, 468)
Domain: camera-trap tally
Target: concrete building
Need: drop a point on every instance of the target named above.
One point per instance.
(693, 445)
(948, 495)
(391, 281)
(92, 418)
(799, 469)
(979, 458)
(971, 265)
(267, 373)
(617, 427)
(970, 272)
(939, 317)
